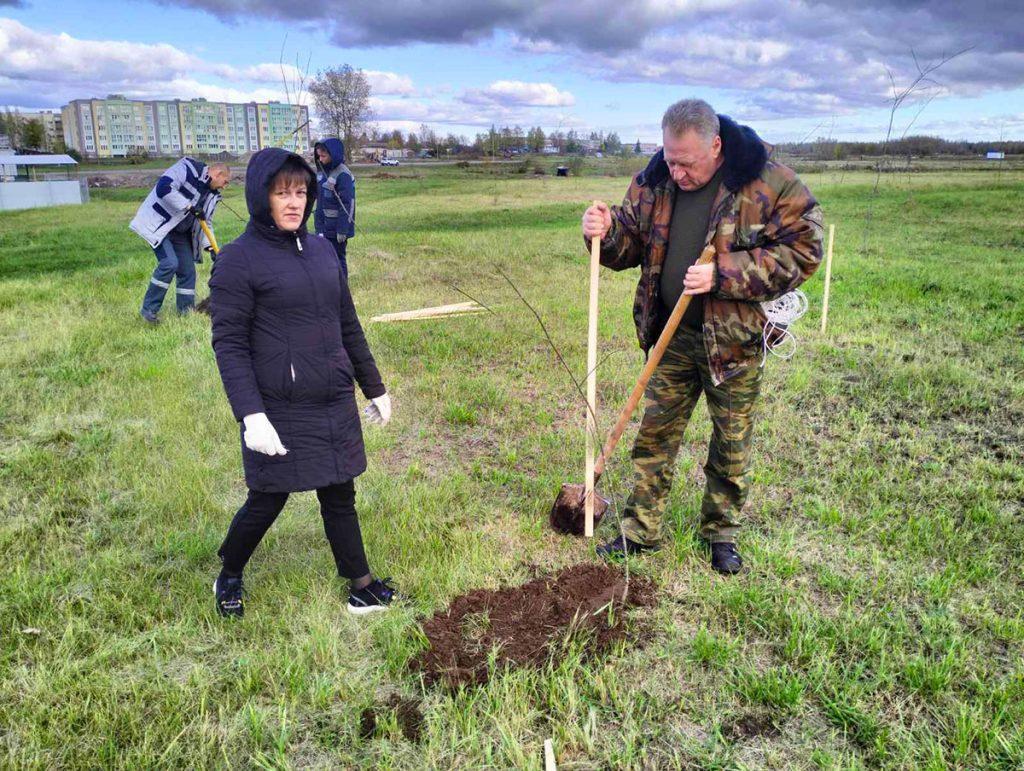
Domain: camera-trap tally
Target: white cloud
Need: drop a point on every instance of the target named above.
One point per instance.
(28, 54)
(399, 112)
(389, 83)
(47, 69)
(517, 92)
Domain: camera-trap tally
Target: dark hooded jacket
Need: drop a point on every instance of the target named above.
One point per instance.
(766, 228)
(336, 202)
(288, 343)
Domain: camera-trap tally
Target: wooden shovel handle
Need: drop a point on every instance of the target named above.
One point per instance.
(209, 236)
(592, 440)
(653, 359)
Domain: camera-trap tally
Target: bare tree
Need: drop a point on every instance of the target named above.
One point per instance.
(11, 124)
(342, 99)
(429, 138)
(923, 88)
(295, 88)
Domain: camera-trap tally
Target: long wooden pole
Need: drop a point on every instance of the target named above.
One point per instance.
(595, 265)
(828, 277)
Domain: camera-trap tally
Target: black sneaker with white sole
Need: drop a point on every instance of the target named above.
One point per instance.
(377, 595)
(227, 591)
(726, 559)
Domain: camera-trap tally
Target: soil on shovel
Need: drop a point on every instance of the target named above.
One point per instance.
(526, 622)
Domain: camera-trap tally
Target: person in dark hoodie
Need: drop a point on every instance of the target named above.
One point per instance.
(713, 182)
(290, 349)
(336, 202)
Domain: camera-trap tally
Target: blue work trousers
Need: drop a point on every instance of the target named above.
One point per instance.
(174, 260)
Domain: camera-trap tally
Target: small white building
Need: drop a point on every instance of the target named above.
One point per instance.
(377, 151)
(28, 181)
(995, 155)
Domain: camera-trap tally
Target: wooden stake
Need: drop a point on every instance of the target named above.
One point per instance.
(828, 277)
(595, 265)
(549, 756)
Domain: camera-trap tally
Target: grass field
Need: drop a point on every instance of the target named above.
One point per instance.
(880, 622)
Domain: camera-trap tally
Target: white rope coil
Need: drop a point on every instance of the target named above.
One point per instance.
(781, 313)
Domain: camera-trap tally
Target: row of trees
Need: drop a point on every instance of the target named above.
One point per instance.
(508, 138)
(917, 146)
(495, 141)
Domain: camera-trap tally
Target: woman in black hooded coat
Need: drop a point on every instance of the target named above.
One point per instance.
(290, 348)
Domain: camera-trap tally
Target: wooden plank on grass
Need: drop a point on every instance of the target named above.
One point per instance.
(438, 311)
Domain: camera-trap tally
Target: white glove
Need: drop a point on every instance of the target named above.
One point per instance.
(260, 435)
(378, 411)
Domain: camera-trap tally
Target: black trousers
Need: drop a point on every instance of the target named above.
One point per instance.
(338, 509)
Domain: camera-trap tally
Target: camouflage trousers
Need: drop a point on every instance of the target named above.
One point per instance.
(671, 395)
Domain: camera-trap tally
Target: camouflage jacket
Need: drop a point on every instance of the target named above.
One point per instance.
(767, 230)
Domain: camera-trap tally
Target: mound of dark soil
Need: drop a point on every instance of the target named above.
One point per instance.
(526, 622)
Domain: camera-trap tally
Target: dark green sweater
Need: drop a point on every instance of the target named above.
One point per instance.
(690, 215)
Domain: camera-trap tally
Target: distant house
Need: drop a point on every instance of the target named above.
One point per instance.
(647, 148)
(995, 155)
(549, 149)
(378, 151)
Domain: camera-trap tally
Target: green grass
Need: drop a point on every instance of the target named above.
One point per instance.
(880, 623)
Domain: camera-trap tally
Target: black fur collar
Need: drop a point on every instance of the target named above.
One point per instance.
(745, 157)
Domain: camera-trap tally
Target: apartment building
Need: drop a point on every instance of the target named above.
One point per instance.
(113, 127)
(53, 130)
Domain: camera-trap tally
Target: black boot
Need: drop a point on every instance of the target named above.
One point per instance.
(228, 592)
(725, 558)
(620, 547)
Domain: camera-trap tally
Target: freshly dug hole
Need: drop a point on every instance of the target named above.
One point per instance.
(407, 714)
(525, 622)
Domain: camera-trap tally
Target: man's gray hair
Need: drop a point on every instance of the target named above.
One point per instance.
(220, 166)
(691, 114)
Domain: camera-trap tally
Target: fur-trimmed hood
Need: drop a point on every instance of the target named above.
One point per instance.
(745, 157)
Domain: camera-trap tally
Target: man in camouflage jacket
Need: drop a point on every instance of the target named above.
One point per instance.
(766, 229)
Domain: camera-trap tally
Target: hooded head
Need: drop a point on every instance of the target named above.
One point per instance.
(336, 148)
(263, 167)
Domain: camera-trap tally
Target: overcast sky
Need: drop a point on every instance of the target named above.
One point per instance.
(793, 70)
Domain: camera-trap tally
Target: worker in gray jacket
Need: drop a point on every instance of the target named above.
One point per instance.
(335, 217)
(169, 222)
